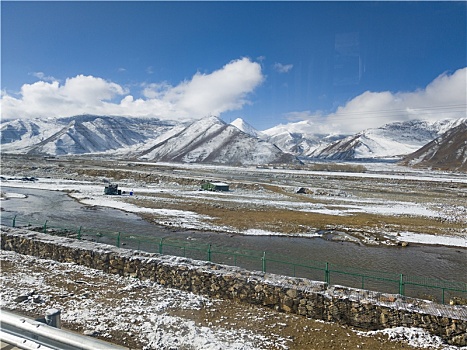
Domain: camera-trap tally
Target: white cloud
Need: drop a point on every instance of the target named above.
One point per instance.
(282, 68)
(444, 97)
(205, 94)
(42, 76)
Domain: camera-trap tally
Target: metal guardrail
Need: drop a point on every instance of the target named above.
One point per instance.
(25, 333)
(394, 283)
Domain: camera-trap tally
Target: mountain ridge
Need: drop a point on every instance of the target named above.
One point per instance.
(211, 140)
(447, 152)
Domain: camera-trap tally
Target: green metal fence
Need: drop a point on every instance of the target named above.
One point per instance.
(415, 286)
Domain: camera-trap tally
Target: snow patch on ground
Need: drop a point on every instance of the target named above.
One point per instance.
(431, 239)
(8, 195)
(415, 337)
(141, 309)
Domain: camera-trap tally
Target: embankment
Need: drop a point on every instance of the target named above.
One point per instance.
(359, 308)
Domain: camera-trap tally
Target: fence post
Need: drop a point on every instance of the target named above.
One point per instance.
(79, 233)
(443, 296)
(401, 284)
(14, 221)
(263, 260)
(209, 253)
(160, 246)
(118, 240)
(326, 274)
(45, 226)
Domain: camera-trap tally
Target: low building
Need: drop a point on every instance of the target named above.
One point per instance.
(215, 186)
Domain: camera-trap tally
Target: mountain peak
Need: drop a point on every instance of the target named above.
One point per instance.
(242, 125)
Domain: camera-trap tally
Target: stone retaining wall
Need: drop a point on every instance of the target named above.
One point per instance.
(360, 308)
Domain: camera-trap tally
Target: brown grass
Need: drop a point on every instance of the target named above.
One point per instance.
(289, 221)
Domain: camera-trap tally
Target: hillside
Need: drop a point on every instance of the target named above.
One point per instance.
(78, 135)
(389, 141)
(446, 152)
(210, 140)
(300, 138)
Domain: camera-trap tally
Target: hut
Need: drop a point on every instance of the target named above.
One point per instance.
(215, 186)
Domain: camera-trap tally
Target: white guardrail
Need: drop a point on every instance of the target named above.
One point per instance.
(27, 334)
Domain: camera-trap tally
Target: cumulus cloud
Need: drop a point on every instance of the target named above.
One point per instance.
(205, 94)
(444, 97)
(282, 68)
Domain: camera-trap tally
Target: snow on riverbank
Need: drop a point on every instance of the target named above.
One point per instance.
(9, 195)
(90, 193)
(421, 238)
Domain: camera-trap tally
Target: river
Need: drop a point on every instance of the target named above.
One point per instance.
(440, 262)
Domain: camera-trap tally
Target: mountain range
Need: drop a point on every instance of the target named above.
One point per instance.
(211, 140)
(393, 140)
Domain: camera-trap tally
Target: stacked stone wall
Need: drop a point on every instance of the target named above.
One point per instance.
(359, 308)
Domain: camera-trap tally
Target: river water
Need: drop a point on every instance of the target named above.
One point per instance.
(440, 262)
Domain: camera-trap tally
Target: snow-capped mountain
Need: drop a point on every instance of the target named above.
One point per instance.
(448, 151)
(210, 140)
(301, 138)
(78, 135)
(18, 135)
(391, 140)
(242, 125)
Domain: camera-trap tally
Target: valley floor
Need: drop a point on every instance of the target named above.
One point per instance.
(376, 205)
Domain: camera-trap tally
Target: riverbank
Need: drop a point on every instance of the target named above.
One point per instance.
(265, 212)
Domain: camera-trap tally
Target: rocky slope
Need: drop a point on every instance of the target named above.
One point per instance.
(390, 141)
(446, 152)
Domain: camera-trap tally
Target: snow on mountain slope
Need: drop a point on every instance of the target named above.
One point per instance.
(19, 135)
(300, 138)
(391, 140)
(448, 151)
(242, 125)
(210, 140)
(78, 135)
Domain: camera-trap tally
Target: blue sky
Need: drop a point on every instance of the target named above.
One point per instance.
(343, 65)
